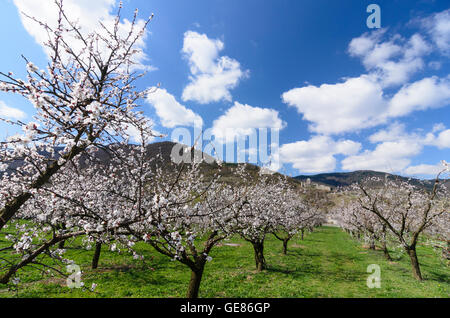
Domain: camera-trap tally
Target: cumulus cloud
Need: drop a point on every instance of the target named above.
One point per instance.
(351, 105)
(393, 152)
(360, 102)
(11, 112)
(389, 156)
(438, 26)
(430, 92)
(395, 149)
(170, 112)
(317, 154)
(441, 140)
(85, 12)
(385, 92)
(424, 169)
(438, 127)
(212, 76)
(393, 61)
(241, 120)
(371, 51)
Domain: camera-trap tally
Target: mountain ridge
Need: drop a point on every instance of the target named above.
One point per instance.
(342, 179)
(332, 180)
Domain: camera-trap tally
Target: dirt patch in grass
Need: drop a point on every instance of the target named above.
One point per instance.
(111, 268)
(229, 244)
(54, 280)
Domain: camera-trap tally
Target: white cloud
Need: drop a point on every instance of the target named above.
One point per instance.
(241, 120)
(359, 103)
(317, 154)
(364, 44)
(171, 112)
(393, 153)
(393, 61)
(394, 132)
(430, 92)
(86, 13)
(212, 77)
(395, 148)
(438, 127)
(368, 100)
(424, 169)
(442, 140)
(438, 26)
(11, 112)
(351, 105)
(435, 65)
(389, 156)
(438, 137)
(201, 51)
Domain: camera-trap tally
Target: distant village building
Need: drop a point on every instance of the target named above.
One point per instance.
(323, 187)
(307, 184)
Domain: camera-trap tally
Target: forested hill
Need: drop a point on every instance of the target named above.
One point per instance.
(342, 179)
(333, 180)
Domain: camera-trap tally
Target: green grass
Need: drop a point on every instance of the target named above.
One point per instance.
(327, 263)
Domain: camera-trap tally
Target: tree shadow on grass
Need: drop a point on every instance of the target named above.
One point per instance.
(302, 253)
(145, 277)
(439, 277)
(344, 258)
(279, 269)
(312, 240)
(333, 272)
(326, 275)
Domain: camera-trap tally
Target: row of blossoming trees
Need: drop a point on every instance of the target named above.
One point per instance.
(176, 210)
(395, 213)
(72, 172)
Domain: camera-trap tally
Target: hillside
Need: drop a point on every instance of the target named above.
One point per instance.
(333, 180)
(342, 179)
(209, 170)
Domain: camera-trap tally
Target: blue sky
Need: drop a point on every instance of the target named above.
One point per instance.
(345, 97)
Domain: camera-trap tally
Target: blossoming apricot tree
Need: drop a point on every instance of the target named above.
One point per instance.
(85, 97)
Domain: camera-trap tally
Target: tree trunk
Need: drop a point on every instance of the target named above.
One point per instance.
(61, 244)
(446, 251)
(285, 245)
(95, 259)
(372, 244)
(194, 283)
(303, 234)
(7, 276)
(259, 256)
(414, 263)
(386, 251)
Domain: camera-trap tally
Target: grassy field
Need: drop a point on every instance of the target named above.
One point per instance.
(327, 263)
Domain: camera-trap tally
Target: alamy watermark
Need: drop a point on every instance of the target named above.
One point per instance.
(374, 279)
(74, 279)
(259, 146)
(374, 19)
